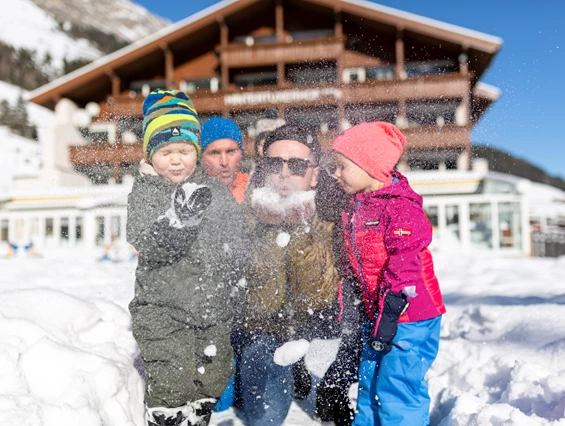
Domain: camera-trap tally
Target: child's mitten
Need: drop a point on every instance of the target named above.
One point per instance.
(189, 202)
(391, 306)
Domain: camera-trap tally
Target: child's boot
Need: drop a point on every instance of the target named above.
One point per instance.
(161, 416)
(201, 412)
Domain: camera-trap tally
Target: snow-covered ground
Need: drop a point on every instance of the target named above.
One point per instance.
(66, 351)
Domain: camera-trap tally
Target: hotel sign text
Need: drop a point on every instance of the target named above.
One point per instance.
(281, 97)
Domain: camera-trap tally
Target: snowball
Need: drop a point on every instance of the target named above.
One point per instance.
(283, 238)
(291, 352)
(210, 350)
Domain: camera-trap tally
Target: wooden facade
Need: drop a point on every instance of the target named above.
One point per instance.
(326, 63)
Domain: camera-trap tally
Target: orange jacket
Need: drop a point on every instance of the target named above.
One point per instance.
(238, 186)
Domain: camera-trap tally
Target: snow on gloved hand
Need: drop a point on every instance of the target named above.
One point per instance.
(189, 203)
(391, 306)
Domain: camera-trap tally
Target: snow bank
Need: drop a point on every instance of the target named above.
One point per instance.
(66, 350)
(64, 359)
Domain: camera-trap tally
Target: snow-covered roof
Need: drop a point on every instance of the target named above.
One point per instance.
(486, 90)
(87, 197)
(546, 200)
(427, 21)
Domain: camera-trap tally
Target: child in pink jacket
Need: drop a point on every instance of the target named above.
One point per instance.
(387, 235)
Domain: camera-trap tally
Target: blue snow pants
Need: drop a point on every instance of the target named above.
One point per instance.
(392, 388)
(267, 389)
(228, 397)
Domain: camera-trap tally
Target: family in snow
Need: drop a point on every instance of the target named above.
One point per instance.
(236, 270)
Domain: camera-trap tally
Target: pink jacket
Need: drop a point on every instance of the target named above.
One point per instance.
(386, 236)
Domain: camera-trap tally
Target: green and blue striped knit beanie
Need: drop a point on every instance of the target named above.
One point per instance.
(168, 116)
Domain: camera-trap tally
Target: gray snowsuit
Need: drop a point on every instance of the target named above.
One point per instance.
(186, 292)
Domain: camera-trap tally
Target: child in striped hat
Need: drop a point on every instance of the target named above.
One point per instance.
(189, 232)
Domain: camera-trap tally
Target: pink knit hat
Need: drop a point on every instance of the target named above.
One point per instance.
(375, 147)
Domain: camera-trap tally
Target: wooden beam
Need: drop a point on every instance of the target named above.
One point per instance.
(116, 84)
(338, 33)
(281, 79)
(463, 61)
(117, 172)
(224, 33)
(279, 21)
(224, 69)
(338, 25)
(399, 48)
(169, 69)
(402, 120)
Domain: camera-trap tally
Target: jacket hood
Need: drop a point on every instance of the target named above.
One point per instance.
(399, 188)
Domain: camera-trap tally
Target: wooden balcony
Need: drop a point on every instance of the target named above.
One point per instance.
(105, 153)
(241, 55)
(430, 137)
(422, 137)
(444, 86)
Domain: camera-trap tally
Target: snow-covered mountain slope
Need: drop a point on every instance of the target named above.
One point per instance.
(45, 26)
(122, 18)
(57, 33)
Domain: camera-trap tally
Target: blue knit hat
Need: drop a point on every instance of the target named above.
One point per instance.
(221, 128)
(168, 116)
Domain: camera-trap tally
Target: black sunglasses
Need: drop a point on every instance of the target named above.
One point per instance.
(296, 166)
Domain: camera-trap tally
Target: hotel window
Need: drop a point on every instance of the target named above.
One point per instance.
(509, 218)
(78, 228)
(115, 226)
(247, 119)
(433, 215)
(146, 86)
(319, 119)
(431, 67)
(311, 34)
(100, 234)
(64, 228)
(250, 40)
(20, 229)
(452, 220)
(360, 113)
(312, 73)
(49, 227)
(34, 228)
(211, 84)
(260, 76)
(435, 112)
(481, 224)
(4, 230)
(385, 72)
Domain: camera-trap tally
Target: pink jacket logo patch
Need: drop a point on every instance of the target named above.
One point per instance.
(403, 232)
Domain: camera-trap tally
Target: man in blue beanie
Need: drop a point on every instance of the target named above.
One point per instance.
(222, 153)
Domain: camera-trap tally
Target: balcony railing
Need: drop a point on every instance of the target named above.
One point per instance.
(241, 55)
(446, 86)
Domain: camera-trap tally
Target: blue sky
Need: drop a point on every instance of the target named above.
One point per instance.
(528, 119)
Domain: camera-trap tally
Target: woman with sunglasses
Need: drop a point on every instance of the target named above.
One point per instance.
(292, 282)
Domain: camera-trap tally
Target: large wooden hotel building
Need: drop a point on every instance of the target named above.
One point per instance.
(328, 64)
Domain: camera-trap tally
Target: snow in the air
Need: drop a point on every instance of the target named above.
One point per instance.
(67, 353)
